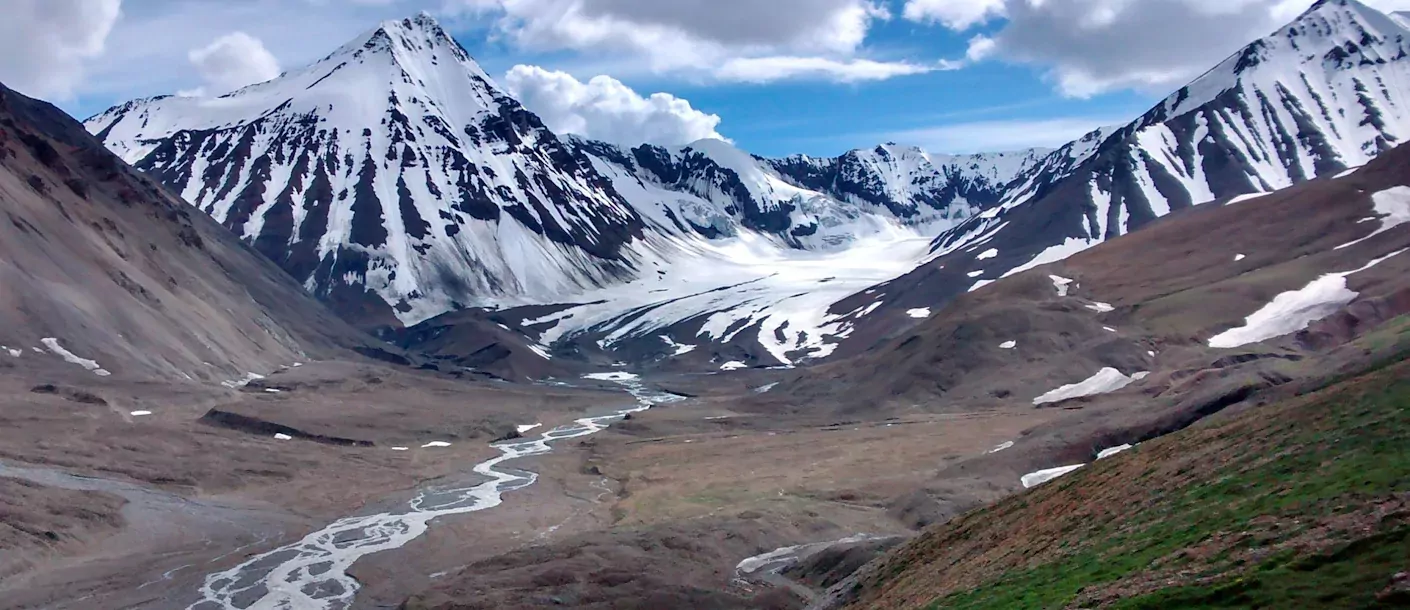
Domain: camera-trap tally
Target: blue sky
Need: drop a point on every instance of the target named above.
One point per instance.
(778, 77)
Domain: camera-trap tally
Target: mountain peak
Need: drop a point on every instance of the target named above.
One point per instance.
(1331, 35)
(420, 35)
(1336, 8)
(1339, 22)
(423, 23)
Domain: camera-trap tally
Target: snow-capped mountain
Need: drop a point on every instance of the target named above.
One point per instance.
(911, 182)
(1325, 93)
(392, 176)
(399, 182)
(715, 190)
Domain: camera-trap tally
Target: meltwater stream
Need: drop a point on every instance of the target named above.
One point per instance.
(311, 574)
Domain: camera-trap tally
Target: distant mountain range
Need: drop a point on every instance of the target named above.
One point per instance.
(398, 182)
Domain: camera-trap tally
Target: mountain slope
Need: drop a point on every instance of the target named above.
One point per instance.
(1149, 300)
(1323, 94)
(105, 269)
(397, 181)
(1297, 504)
(716, 190)
(451, 196)
(393, 178)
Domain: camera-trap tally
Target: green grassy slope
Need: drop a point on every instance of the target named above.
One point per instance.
(1303, 503)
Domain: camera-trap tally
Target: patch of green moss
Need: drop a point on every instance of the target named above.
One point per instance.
(1333, 454)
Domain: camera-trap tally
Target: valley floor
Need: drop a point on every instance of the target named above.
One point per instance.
(132, 494)
(729, 499)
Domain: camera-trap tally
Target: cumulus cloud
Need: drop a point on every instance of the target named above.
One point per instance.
(603, 108)
(956, 14)
(734, 39)
(45, 44)
(1088, 47)
(233, 61)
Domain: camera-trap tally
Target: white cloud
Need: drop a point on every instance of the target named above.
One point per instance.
(603, 108)
(989, 136)
(768, 69)
(748, 40)
(1087, 47)
(980, 47)
(147, 52)
(45, 45)
(955, 14)
(645, 25)
(234, 61)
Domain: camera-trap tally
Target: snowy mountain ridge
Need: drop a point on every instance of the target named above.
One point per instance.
(1324, 93)
(398, 181)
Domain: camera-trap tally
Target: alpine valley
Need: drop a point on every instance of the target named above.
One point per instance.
(398, 182)
(370, 334)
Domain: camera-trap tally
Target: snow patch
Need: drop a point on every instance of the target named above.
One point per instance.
(1239, 257)
(614, 376)
(140, 413)
(677, 349)
(1105, 381)
(1000, 447)
(1245, 197)
(1101, 307)
(401, 449)
(1008, 345)
(733, 365)
(272, 390)
(988, 254)
(68, 356)
(1106, 453)
(919, 312)
(435, 444)
(1062, 284)
(1071, 246)
(242, 382)
(283, 437)
(1392, 209)
(522, 428)
(981, 284)
(764, 389)
(974, 274)
(14, 353)
(1294, 310)
(1040, 477)
(1109, 329)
